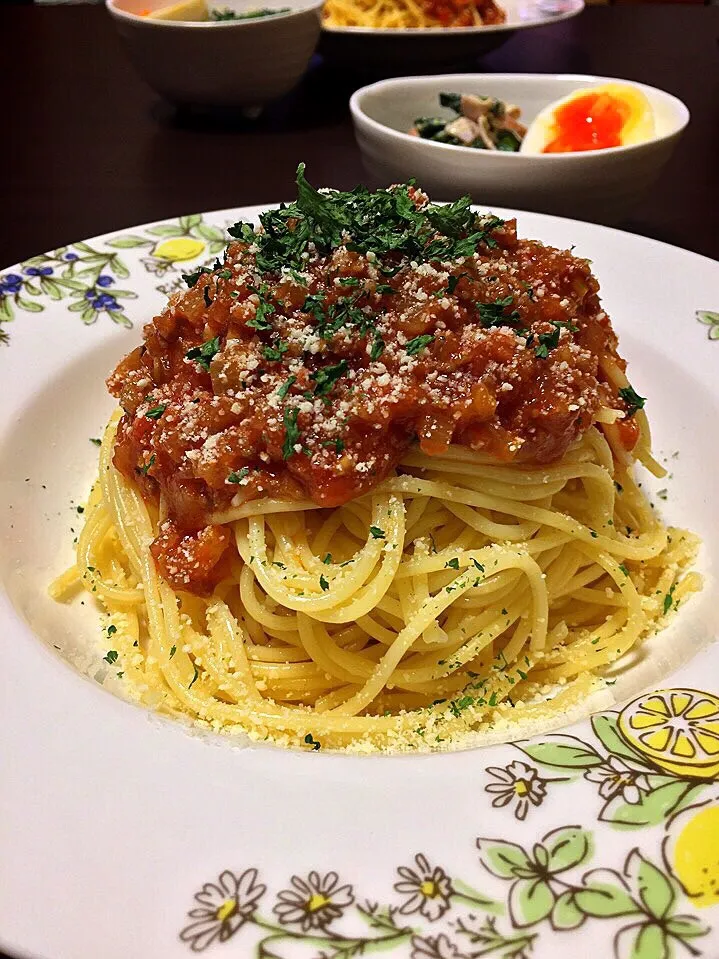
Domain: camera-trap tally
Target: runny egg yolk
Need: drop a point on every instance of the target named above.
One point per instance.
(593, 121)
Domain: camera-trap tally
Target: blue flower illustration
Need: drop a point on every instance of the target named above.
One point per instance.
(39, 270)
(105, 280)
(10, 283)
(71, 257)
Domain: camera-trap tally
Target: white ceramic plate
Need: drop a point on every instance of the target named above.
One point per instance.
(368, 48)
(127, 836)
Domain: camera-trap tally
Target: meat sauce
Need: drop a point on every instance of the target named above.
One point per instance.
(312, 383)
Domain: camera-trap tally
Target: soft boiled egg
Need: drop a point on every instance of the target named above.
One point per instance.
(593, 118)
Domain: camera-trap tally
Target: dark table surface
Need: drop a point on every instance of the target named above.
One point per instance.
(87, 147)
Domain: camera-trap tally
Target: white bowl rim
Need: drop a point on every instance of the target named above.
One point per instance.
(121, 14)
(681, 109)
(575, 7)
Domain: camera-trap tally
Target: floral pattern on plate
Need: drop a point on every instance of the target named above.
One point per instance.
(652, 766)
(85, 277)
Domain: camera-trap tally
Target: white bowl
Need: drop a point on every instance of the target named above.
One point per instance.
(241, 63)
(598, 185)
(374, 50)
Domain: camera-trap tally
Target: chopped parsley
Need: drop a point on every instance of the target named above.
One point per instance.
(194, 678)
(377, 347)
(453, 563)
(633, 400)
(286, 386)
(95, 441)
(192, 278)
(173, 650)
(292, 432)
(239, 475)
(275, 353)
(326, 377)
(204, 354)
(324, 585)
(111, 656)
(314, 743)
(419, 343)
(146, 468)
(156, 412)
(386, 223)
(478, 565)
(550, 341)
(339, 445)
(328, 559)
(111, 629)
(376, 532)
(624, 569)
(493, 314)
(669, 599)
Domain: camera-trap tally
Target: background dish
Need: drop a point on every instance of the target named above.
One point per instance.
(601, 184)
(366, 49)
(158, 814)
(234, 63)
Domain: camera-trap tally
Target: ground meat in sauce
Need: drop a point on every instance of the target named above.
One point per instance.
(266, 405)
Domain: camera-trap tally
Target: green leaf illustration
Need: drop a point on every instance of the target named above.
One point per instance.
(566, 914)
(208, 232)
(165, 229)
(88, 315)
(502, 858)
(124, 294)
(649, 884)
(604, 895)
(643, 942)
(28, 305)
(686, 927)
(117, 317)
(32, 288)
(605, 728)
(119, 268)
(70, 284)
(653, 808)
(566, 752)
(567, 847)
(6, 312)
(708, 317)
(530, 901)
(50, 288)
(77, 306)
(187, 222)
(128, 242)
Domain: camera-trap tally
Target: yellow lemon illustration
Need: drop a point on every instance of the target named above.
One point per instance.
(677, 729)
(179, 248)
(692, 853)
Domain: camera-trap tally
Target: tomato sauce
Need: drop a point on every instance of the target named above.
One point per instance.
(243, 388)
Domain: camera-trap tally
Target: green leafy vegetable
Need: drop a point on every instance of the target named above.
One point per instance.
(326, 377)
(292, 433)
(204, 354)
(419, 343)
(633, 400)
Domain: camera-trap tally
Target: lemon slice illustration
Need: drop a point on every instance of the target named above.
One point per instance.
(178, 249)
(677, 729)
(692, 853)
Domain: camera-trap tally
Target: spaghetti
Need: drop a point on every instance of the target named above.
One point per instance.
(447, 587)
(412, 14)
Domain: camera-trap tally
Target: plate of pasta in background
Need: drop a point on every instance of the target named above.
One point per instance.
(346, 546)
(371, 35)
